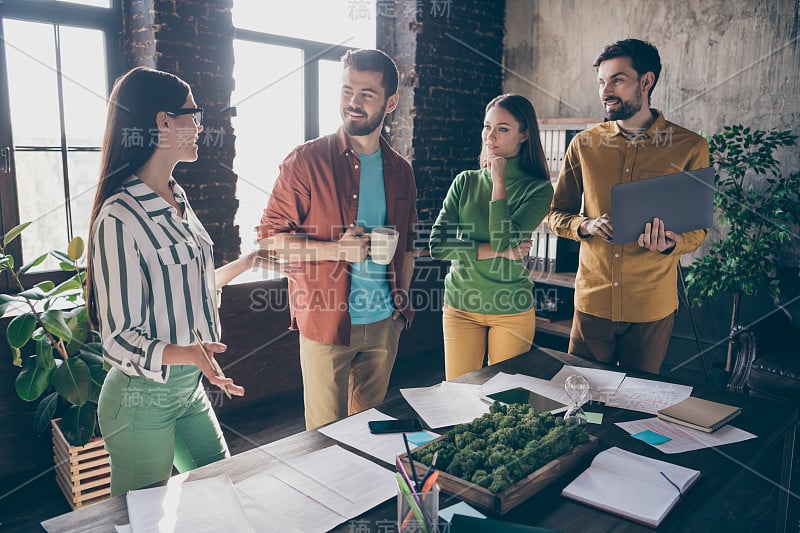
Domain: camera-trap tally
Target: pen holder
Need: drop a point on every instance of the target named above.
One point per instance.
(418, 513)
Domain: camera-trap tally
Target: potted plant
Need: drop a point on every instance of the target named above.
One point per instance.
(758, 208)
(51, 341)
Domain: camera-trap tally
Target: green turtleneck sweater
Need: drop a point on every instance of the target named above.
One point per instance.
(469, 217)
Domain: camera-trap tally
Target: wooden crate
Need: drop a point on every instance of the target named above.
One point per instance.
(514, 495)
(83, 473)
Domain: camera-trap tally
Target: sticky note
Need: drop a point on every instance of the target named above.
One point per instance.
(651, 437)
(594, 418)
(420, 437)
(462, 508)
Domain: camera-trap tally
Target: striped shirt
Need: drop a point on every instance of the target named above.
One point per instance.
(153, 278)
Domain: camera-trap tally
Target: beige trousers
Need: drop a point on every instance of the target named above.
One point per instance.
(343, 380)
(467, 334)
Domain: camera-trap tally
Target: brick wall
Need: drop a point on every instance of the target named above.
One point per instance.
(194, 40)
(450, 56)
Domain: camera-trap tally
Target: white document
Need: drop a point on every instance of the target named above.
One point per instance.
(354, 432)
(502, 381)
(203, 505)
(630, 485)
(602, 383)
(686, 439)
(274, 506)
(447, 403)
(646, 395)
(317, 491)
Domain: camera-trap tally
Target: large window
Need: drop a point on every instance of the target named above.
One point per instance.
(288, 76)
(53, 93)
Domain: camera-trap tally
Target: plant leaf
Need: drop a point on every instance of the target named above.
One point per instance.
(75, 248)
(61, 256)
(20, 329)
(36, 262)
(78, 423)
(45, 412)
(98, 375)
(53, 321)
(44, 354)
(14, 232)
(72, 380)
(33, 380)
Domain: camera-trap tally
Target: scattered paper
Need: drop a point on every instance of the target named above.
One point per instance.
(685, 439)
(203, 505)
(316, 491)
(447, 403)
(646, 395)
(602, 383)
(354, 432)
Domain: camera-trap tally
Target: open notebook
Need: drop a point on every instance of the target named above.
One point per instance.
(633, 486)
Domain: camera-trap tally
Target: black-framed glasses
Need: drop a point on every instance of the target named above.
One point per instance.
(196, 112)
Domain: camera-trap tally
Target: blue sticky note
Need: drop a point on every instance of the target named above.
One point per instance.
(651, 437)
(462, 508)
(420, 437)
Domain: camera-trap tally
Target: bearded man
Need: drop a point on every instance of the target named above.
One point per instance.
(331, 192)
(625, 294)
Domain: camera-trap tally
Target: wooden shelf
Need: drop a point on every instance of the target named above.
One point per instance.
(559, 279)
(560, 328)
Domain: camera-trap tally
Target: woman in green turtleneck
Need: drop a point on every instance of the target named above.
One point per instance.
(484, 229)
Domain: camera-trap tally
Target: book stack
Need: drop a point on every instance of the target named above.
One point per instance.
(700, 414)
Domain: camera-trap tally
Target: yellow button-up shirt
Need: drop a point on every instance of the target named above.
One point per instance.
(623, 282)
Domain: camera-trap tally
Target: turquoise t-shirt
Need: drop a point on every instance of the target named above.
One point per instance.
(370, 292)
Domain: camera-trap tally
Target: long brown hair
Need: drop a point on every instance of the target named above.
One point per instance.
(531, 153)
(130, 139)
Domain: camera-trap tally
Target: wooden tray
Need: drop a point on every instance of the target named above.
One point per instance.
(514, 495)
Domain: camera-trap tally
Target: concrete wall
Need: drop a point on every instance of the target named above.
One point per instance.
(723, 62)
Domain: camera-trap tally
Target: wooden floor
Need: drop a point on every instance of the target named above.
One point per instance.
(25, 504)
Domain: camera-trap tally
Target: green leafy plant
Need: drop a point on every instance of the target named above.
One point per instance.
(51, 340)
(503, 446)
(758, 207)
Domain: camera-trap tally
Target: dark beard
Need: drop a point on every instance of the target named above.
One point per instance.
(373, 122)
(626, 109)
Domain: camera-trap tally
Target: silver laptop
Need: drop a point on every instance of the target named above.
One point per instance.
(683, 200)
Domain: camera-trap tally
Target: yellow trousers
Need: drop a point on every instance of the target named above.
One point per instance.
(467, 334)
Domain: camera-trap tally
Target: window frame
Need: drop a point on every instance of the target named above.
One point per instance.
(105, 19)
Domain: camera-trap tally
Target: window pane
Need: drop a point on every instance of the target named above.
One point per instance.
(343, 22)
(83, 71)
(84, 170)
(268, 124)
(33, 95)
(330, 83)
(40, 187)
(95, 3)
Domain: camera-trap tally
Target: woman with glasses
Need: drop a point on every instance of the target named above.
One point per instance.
(152, 288)
(484, 228)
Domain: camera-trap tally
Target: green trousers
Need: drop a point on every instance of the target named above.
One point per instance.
(148, 427)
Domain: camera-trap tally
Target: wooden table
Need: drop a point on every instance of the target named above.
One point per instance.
(711, 505)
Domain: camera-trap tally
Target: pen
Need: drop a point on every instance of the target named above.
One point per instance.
(404, 488)
(404, 474)
(426, 487)
(211, 361)
(430, 468)
(411, 462)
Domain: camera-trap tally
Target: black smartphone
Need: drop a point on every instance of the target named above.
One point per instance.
(540, 403)
(404, 425)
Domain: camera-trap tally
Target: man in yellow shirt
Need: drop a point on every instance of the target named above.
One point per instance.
(625, 294)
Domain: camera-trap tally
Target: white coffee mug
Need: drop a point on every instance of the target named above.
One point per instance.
(382, 244)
